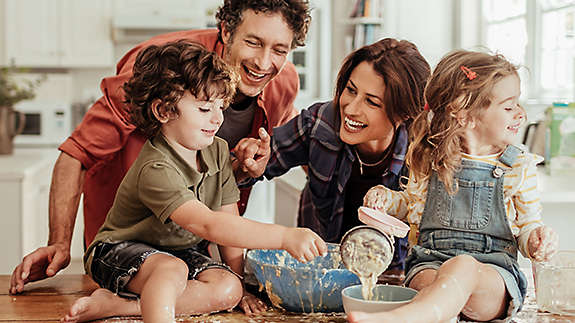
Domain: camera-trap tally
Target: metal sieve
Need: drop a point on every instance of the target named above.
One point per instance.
(366, 249)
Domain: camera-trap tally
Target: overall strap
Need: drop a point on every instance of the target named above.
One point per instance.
(510, 154)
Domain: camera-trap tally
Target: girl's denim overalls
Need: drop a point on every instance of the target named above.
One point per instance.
(472, 222)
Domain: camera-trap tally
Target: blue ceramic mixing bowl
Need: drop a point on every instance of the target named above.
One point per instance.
(297, 287)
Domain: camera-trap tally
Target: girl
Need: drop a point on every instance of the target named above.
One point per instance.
(471, 194)
(353, 142)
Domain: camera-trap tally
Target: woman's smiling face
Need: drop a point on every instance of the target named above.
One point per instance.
(364, 121)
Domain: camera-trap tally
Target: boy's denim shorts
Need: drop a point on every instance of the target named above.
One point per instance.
(114, 264)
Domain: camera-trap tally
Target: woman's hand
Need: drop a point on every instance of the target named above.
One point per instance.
(253, 154)
(543, 243)
(250, 304)
(376, 198)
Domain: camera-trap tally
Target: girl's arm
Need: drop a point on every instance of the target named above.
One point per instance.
(406, 205)
(388, 201)
(532, 235)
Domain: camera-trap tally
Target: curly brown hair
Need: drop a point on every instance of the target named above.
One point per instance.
(296, 14)
(164, 73)
(437, 134)
(403, 69)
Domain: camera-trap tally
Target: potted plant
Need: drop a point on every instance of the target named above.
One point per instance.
(11, 92)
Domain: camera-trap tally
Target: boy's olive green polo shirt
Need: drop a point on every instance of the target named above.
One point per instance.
(158, 183)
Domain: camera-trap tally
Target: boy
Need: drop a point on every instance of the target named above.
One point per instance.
(254, 36)
(179, 191)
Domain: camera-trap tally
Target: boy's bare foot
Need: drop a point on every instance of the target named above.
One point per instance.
(102, 303)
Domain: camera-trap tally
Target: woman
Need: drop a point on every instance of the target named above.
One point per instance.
(356, 141)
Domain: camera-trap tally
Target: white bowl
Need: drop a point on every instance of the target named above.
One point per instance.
(385, 298)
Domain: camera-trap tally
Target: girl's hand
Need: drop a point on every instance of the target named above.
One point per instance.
(303, 244)
(250, 304)
(376, 198)
(543, 243)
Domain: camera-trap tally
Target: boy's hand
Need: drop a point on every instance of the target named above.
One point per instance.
(376, 198)
(543, 243)
(303, 244)
(253, 154)
(250, 304)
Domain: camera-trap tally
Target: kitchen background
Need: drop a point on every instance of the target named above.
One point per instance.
(75, 43)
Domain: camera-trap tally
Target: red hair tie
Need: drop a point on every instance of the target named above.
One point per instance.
(426, 106)
(469, 73)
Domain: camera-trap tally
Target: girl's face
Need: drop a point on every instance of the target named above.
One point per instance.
(197, 123)
(499, 124)
(363, 119)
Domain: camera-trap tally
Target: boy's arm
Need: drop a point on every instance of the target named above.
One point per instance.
(234, 257)
(231, 256)
(227, 229)
(235, 231)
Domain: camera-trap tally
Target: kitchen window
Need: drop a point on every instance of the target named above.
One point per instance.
(538, 34)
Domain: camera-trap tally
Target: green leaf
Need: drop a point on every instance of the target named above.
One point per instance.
(12, 92)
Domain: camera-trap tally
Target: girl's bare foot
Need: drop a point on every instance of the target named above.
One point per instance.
(102, 303)
(362, 317)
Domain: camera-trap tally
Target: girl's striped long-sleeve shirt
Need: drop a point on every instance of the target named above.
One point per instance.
(521, 197)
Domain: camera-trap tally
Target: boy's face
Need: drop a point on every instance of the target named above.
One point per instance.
(197, 123)
(258, 49)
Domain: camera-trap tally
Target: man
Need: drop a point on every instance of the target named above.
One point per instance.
(254, 36)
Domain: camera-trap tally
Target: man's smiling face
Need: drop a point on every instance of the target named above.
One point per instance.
(258, 49)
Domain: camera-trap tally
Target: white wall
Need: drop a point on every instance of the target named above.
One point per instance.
(428, 24)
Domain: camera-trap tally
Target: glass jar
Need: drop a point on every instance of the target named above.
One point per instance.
(554, 283)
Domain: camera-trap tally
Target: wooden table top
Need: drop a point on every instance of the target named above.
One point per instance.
(50, 299)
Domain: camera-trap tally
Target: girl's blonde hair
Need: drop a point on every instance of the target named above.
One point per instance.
(460, 88)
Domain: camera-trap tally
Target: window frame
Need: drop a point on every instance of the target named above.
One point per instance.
(534, 11)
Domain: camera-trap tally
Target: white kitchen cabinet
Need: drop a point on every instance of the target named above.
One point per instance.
(30, 32)
(57, 33)
(24, 188)
(288, 189)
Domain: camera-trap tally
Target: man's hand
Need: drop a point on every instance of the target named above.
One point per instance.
(543, 243)
(40, 264)
(253, 154)
(303, 244)
(250, 304)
